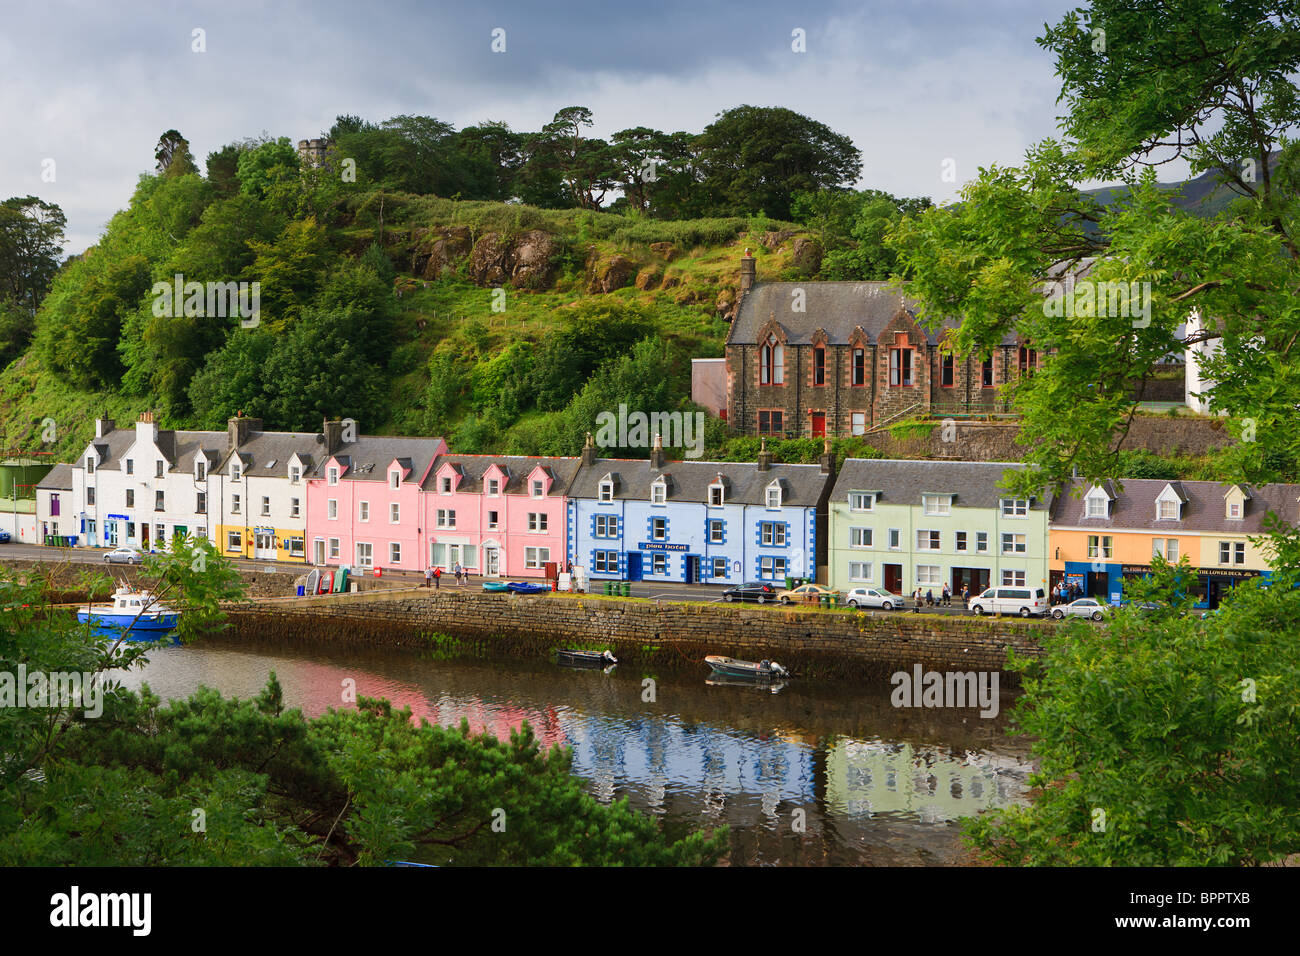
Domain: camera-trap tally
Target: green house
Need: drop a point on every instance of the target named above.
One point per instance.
(903, 525)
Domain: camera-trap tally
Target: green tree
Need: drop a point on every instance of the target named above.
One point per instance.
(31, 245)
(755, 159)
(1163, 740)
(174, 156)
(1143, 85)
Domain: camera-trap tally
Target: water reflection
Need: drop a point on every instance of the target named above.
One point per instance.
(868, 783)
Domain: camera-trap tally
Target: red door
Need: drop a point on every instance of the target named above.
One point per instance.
(818, 424)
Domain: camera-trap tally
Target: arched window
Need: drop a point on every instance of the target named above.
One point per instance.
(772, 362)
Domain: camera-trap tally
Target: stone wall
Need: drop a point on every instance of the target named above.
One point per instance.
(809, 642)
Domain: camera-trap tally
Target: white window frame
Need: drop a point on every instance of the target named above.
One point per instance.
(363, 510)
(861, 537)
(860, 571)
(928, 575)
(936, 505)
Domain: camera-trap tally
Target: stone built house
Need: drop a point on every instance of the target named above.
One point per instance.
(807, 359)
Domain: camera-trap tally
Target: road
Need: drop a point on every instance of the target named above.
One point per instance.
(640, 589)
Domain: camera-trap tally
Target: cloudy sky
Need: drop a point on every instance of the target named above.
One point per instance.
(914, 83)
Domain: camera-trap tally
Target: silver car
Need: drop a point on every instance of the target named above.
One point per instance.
(122, 556)
(1083, 607)
(874, 597)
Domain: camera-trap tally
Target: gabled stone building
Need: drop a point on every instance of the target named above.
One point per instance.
(807, 359)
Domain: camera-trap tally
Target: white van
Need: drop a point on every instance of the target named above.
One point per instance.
(1022, 601)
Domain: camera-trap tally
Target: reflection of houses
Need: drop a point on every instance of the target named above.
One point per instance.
(877, 778)
(834, 358)
(901, 525)
(1100, 536)
(497, 516)
(697, 521)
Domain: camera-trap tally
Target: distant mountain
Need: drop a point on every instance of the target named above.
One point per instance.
(1206, 195)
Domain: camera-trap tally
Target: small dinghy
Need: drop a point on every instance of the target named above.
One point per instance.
(730, 667)
(575, 658)
(526, 587)
(495, 587)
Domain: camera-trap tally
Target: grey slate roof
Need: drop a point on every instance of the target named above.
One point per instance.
(1204, 509)
(261, 449)
(369, 455)
(834, 307)
(59, 478)
(473, 467)
(801, 485)
(178, 447)
(973, 484)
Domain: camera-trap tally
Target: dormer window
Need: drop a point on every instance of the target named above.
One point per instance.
(539, 488)
(607, 490)
(1169, 511)
(774, 495)
(1096, 504)
(493, 487)
(90, 465)
(234, 472)
(333, 478)
(130, 467)
(862, 501)
(200, 470)
(444, 485)
(659, 492)
(1015, 507)
(394, 479)
(295, 474)
(717, 495)
(1234, 509)
(936, 504)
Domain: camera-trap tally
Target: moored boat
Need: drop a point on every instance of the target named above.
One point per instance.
(578, 658)
(495, 587)
(526, 587)
(147, 618)
(730, 667)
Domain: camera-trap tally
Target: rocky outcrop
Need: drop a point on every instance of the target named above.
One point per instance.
(665, 250)
(435, 252)
(806, 256)
(525, 262)
(648, 278)
(611, 274)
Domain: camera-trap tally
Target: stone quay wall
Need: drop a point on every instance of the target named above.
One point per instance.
(668, 634)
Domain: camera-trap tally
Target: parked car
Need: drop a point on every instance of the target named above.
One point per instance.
(750, 591)
(4, 537)
(806, 594)
(1009, 600)
(122, 556)
(1083, 607)
(874, 597)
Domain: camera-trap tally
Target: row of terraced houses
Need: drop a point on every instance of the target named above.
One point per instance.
(374, 502)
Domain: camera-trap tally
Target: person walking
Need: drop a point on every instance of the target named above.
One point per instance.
(458, 570)
(437, 575)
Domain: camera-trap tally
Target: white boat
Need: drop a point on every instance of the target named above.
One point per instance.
(139, 610)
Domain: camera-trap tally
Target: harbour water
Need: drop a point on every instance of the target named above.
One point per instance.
(815, 773)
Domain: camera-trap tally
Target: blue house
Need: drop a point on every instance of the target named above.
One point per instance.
(697, 521)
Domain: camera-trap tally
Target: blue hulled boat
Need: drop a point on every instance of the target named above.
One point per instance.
(147, 618)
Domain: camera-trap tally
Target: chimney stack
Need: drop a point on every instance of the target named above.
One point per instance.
(333, 436)
(103, 426)
(657, 453)
(239, 429)
(764, 456)
(589, 451)
(747, 272)
(827, 458)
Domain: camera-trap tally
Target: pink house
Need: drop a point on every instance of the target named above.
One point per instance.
(363, 502)
(497, 516)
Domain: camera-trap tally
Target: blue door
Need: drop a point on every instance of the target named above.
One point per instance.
(634, 565)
